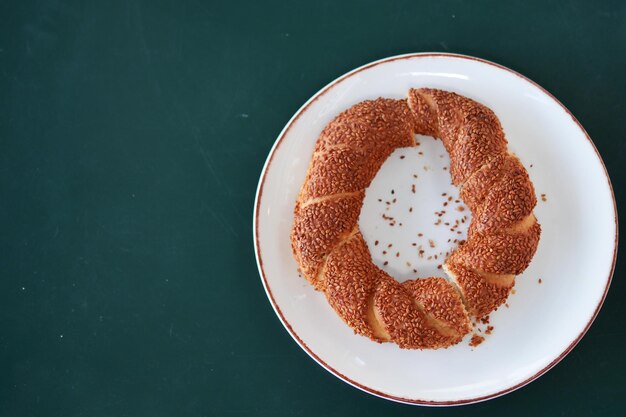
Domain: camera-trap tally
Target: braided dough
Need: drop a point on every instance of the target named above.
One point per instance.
(503, 236)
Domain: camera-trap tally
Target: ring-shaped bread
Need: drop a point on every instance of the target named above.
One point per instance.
(426, 313)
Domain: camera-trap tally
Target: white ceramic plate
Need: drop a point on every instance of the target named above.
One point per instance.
(542, 322)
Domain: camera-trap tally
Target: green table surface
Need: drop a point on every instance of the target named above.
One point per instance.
(132, 137)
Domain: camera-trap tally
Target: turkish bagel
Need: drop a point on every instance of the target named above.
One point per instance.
(425, 313)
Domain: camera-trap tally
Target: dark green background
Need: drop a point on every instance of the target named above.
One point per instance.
(132, 136)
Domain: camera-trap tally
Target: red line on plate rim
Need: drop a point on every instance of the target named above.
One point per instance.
(304, 345)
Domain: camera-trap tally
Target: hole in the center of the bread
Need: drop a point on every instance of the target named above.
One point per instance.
(412, 217)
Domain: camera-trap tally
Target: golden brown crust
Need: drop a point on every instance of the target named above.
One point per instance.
(340, 170)
(508, 202)
(320, 227)
(404, 321)
(331, 252)
(441, 111)
(476, 146)
(420, 104)
(350, 281)
(481, 296)
(439, 299)
(376, 126)
(500, 252)
(476, 188)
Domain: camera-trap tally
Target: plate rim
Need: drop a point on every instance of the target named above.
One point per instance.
(303, 345)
